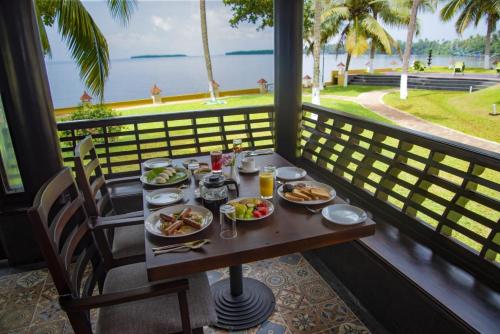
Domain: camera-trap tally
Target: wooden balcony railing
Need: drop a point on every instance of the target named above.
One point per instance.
(449, 192)
(123, 143)
(452, 189)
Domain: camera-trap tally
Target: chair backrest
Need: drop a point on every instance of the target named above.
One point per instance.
(61, 228)
(91, 179)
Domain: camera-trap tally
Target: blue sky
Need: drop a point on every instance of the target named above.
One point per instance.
(174, 27)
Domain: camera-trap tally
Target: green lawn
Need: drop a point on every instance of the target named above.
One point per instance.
(230, 102)
(351, 90)
(457, 110)
(252, 100)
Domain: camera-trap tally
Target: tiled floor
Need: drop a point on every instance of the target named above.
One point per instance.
(305, 302)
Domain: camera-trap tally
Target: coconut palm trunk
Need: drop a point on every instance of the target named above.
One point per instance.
(373, 47)
(206, 50)
(403, 92)
(316, 51)
(487, 41)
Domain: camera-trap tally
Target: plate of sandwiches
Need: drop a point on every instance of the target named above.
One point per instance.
(178, 221)
(306, 192)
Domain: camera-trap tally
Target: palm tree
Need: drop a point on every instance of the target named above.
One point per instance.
(354, 21)
(471, 12)
(416, 5)
(390, 14)
(85, 41)
(316, 51)
(206, 50)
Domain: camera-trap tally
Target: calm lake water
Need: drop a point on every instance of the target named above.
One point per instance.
(133, 78)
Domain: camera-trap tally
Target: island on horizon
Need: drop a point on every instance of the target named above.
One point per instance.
(160, 56)
(250, 52)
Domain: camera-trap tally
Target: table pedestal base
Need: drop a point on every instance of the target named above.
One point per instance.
(241, 303)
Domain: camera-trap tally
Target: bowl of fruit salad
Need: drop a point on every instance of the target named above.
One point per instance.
(251, 208)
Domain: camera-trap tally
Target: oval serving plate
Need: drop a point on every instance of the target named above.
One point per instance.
(157, 163)
(164, 196)
(290, 173)
(325, 186)
(269, 204)
(172, 181)
(344, 214)
(153, 222)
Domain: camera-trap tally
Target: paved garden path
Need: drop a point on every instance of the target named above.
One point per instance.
(374, 101)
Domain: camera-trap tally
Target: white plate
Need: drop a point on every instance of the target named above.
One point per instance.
(290, 173)
(153, 223)
(165, 196)
(344, 214)
(144, 179)
(248, 171)
(157, 163)
(270, 207)
(313, 184)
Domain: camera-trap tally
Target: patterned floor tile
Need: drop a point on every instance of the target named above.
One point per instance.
(305, 303)
(53, 327)
(317, 291)
(16, 317)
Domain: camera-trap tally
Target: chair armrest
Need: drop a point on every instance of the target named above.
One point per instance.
(99, 223)
(70, 304)
(123, 180)
(133, 214)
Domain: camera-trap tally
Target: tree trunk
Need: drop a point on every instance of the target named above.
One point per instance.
(371, 68)
(403, 92)
(206, 50)
(346, 72)
(316, 51)
(487, 41)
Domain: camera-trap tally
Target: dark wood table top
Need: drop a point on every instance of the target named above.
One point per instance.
(291, 228)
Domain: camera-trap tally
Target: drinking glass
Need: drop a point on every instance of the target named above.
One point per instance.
(216, 159)
(227, 222)
(192, 166)
(266, 181)
(236, 149)
(237, 145)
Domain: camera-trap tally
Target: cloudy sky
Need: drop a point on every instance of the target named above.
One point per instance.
(160, 27)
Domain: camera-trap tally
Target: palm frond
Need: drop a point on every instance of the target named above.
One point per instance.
(47, 50)
(356, 41)
(86, 43)
(336, 12)
(451, 9)
(122, 10)
(376, 31)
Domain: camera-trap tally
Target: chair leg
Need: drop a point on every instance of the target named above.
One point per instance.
(183, 306)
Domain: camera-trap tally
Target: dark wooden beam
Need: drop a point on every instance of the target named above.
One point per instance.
(288, 17)
(25, 93)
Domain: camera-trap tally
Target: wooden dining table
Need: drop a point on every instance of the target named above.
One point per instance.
(243, 302)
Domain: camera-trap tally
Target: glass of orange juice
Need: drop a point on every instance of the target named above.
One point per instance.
(266, 180)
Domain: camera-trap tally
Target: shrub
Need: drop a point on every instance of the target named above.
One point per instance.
(418, 65)
(93, 111)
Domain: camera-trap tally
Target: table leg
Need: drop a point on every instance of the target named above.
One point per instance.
(241, 303)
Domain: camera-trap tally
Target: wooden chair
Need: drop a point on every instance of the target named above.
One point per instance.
(128, 302)
(125, 243)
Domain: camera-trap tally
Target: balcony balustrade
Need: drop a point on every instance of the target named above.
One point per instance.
(448, 192)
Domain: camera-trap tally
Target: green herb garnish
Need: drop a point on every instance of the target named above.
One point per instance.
(152, 174)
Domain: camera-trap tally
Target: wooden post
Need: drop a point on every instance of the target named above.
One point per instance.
(288, 17)
(29, 112)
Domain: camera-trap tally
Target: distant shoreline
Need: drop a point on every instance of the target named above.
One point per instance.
(159, 56)
(249, 52)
